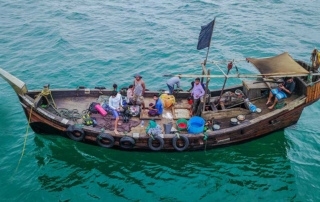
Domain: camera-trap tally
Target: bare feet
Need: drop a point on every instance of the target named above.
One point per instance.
(268, 102)
(271, 107)
(116, 132)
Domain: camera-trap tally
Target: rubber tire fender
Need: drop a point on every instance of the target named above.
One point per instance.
(161, 141)
(186, 143)
(107, 137)
(71, 133)
(125, 139)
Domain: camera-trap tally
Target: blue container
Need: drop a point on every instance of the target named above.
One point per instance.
(196, 125)
(252, 107)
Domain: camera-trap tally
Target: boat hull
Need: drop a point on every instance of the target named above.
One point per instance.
(244, 132)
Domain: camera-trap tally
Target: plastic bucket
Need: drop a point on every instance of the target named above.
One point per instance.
(196, 125)
(167, 128)
(182, 124)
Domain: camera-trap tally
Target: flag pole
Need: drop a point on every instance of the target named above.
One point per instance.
(214, 22)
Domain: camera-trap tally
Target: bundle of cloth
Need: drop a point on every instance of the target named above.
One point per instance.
(153, 128)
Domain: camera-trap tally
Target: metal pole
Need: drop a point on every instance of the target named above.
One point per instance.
(241, 75)
(206, 90)
(225, 81)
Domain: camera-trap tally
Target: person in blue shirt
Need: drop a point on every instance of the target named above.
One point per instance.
(157, 108)
(284, 90)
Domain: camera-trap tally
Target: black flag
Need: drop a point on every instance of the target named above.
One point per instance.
(205, 35)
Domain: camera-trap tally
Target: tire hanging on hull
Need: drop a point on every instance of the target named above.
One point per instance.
(127, 142)
(184, 147)
(155, 138)
(105, 140)
(75, 133)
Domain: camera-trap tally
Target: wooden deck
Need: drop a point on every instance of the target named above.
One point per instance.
(181, 108)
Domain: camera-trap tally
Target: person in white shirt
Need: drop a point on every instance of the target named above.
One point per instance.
(115, 103)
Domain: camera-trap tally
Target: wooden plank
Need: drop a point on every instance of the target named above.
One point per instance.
(227, 113)
(308, 94)
(145, 116)
(18, 86)
(313, 92)
(206, 90)
(317, 91)
(250, 84)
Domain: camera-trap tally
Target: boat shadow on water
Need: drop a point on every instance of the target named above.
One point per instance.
(64, 164)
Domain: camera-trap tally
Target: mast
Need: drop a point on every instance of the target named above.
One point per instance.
(204, 41)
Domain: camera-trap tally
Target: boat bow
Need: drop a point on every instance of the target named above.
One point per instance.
(18, 86)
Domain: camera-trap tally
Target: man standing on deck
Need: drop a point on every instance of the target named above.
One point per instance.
(171, 82)
(139, 88)
(197, 93)
(115, 103)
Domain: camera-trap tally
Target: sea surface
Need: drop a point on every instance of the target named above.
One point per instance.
(97, 43)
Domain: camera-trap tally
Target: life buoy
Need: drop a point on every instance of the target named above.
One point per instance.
(156, 138)
(186, 143)
(105, 140)
(127, 142)
(75, 133)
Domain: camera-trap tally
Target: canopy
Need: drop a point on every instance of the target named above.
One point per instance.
(282, 64)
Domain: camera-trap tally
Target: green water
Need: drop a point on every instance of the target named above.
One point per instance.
(96, 43)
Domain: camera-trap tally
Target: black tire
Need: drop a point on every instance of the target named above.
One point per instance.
(101, 140)
(156, 138)
(186, 143)
(127, 142)
(76, 134)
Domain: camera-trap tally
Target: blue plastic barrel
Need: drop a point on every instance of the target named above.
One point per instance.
(196, 125)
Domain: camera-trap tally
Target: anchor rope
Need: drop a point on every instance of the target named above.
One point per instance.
(205, 138)
(25, 139)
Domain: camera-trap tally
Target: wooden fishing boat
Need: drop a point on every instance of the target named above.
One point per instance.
(227, 108)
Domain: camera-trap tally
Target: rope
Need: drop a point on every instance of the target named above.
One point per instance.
(45, 92)
(25, 141)
(205, 139)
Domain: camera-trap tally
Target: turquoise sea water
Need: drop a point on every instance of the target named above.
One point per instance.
(72, 43)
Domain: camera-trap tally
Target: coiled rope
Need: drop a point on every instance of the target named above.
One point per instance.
(73, 114)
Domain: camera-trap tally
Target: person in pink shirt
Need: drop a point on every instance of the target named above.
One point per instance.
(197, 93)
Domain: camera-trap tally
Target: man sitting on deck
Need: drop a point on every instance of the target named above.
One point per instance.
(197, 93)
(157, 108)
(115, 102)
(283, 91)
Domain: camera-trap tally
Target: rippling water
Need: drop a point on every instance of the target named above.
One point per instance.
(72, 43)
